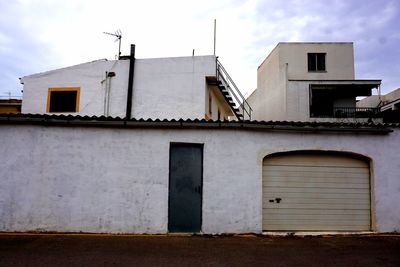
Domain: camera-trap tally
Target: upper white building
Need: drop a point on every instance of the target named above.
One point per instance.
(309, 82)
(194, 87)
(296, 82)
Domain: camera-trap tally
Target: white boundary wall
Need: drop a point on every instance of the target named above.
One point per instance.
(73, 179)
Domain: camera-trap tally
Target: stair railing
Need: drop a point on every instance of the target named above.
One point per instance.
(240, 101)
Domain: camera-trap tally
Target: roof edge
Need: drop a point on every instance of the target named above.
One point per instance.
(110, 122)
(355, 80)
(62, 68)
(316, 43)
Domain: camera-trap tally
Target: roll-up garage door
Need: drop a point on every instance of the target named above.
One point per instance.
(316, 192)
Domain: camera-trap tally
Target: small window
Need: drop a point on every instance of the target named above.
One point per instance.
(316, 61)
(63, 100)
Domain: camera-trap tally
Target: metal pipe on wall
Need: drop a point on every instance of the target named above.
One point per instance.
(130, 83)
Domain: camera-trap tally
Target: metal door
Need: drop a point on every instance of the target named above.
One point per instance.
(185, 187)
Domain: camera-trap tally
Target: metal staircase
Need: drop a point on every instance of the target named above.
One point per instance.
(231, 93)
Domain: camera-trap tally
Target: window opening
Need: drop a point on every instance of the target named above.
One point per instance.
(316, 62)
(63, 100)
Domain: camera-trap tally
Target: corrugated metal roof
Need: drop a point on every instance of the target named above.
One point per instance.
(102, 121)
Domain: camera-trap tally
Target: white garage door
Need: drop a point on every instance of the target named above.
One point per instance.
(316, 192)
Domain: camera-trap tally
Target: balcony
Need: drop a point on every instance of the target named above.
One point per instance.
(337, 100)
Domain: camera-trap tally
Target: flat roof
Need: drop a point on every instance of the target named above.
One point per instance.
(341, 81)
(315, 43)
(123, 58)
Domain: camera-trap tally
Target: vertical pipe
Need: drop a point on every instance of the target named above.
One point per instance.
(105, 94)
(130, 83)
(108, 95)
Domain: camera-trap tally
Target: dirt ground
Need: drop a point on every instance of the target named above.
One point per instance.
(109, 250)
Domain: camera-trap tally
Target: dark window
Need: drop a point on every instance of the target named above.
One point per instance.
(63, 100)
(209, 104)
(316, 62)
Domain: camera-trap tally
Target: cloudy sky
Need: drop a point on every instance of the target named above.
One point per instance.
(40, 35)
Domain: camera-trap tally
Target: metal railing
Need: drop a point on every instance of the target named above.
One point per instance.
(355, 112)
(240, 101)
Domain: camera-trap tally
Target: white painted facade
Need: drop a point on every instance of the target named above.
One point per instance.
(283, 80)
(217, 107)
(110, 180)
(90, 78)
(163, 88)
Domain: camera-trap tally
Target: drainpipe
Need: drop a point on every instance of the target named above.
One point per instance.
(130, 83)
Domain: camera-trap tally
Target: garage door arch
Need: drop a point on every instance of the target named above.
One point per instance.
(316, 191)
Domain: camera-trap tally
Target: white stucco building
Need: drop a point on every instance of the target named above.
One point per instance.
(310, 82)
(147, 153)
(158, 88)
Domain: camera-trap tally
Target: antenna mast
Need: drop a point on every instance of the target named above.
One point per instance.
(215, 34)
(117, 34)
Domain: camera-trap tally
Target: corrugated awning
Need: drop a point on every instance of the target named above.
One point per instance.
(117, 122)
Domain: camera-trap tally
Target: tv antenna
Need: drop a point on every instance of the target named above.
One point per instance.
(117, 34)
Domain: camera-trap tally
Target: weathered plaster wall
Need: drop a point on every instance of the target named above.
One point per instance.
(269, 100)
(339, 60)
(298, 101)
(116, 180)
(163, 88)
(171, 88)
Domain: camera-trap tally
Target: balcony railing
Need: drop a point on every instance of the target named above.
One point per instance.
(354, 112)
(344, 112)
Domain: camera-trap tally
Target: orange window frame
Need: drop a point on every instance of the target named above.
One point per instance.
(78, 92)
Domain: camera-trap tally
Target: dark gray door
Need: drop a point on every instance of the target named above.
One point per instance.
(185, 187)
